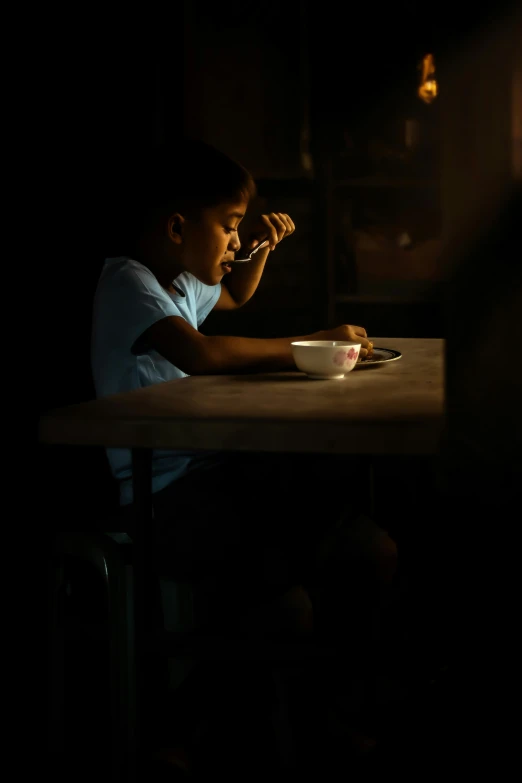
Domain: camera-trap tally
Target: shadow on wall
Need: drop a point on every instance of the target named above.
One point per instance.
(484, 380)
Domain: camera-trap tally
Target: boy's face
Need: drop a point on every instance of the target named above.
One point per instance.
(209, 240)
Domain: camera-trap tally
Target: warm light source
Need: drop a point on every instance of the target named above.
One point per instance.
(428, 87)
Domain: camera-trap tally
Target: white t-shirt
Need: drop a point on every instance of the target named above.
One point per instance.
(127, 301)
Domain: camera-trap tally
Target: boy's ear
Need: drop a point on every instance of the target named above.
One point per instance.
(175, 227)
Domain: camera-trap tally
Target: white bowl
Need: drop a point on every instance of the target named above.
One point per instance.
(326, 359)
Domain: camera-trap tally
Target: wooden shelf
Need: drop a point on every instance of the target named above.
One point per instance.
(415, 297)
(378, 299)
(394, 316)
(270, 187)
(385, 182)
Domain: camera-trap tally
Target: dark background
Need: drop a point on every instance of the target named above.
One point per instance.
(249, 79)
(103, 87)
(106, 87)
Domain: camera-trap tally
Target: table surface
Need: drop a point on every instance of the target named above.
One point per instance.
(393, 408)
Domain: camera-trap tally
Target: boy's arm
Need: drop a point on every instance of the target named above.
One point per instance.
(198, 354)
(240, 285)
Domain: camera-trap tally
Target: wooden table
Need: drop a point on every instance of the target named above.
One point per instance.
(395, 408)
(391, 409)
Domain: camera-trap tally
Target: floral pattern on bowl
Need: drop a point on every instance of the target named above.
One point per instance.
(342, 357)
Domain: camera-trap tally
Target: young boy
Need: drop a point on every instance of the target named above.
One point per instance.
(227, 517)
(178, 240)
(179, 246)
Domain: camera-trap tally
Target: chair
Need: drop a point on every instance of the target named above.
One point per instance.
(139, 639)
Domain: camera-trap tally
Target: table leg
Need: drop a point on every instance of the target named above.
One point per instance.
(143, 521)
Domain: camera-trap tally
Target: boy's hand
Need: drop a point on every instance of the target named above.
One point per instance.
(350, 332)
(274, 227)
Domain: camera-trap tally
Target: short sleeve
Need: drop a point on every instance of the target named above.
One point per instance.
(129, 301)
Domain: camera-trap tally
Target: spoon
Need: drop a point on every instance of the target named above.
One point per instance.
(249, 256)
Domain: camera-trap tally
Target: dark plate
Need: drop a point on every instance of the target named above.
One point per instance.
(380, 356)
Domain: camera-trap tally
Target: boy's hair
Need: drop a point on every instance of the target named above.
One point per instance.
(186, 176)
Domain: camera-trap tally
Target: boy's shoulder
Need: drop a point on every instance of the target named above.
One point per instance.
(124, 263)
(119, 267)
